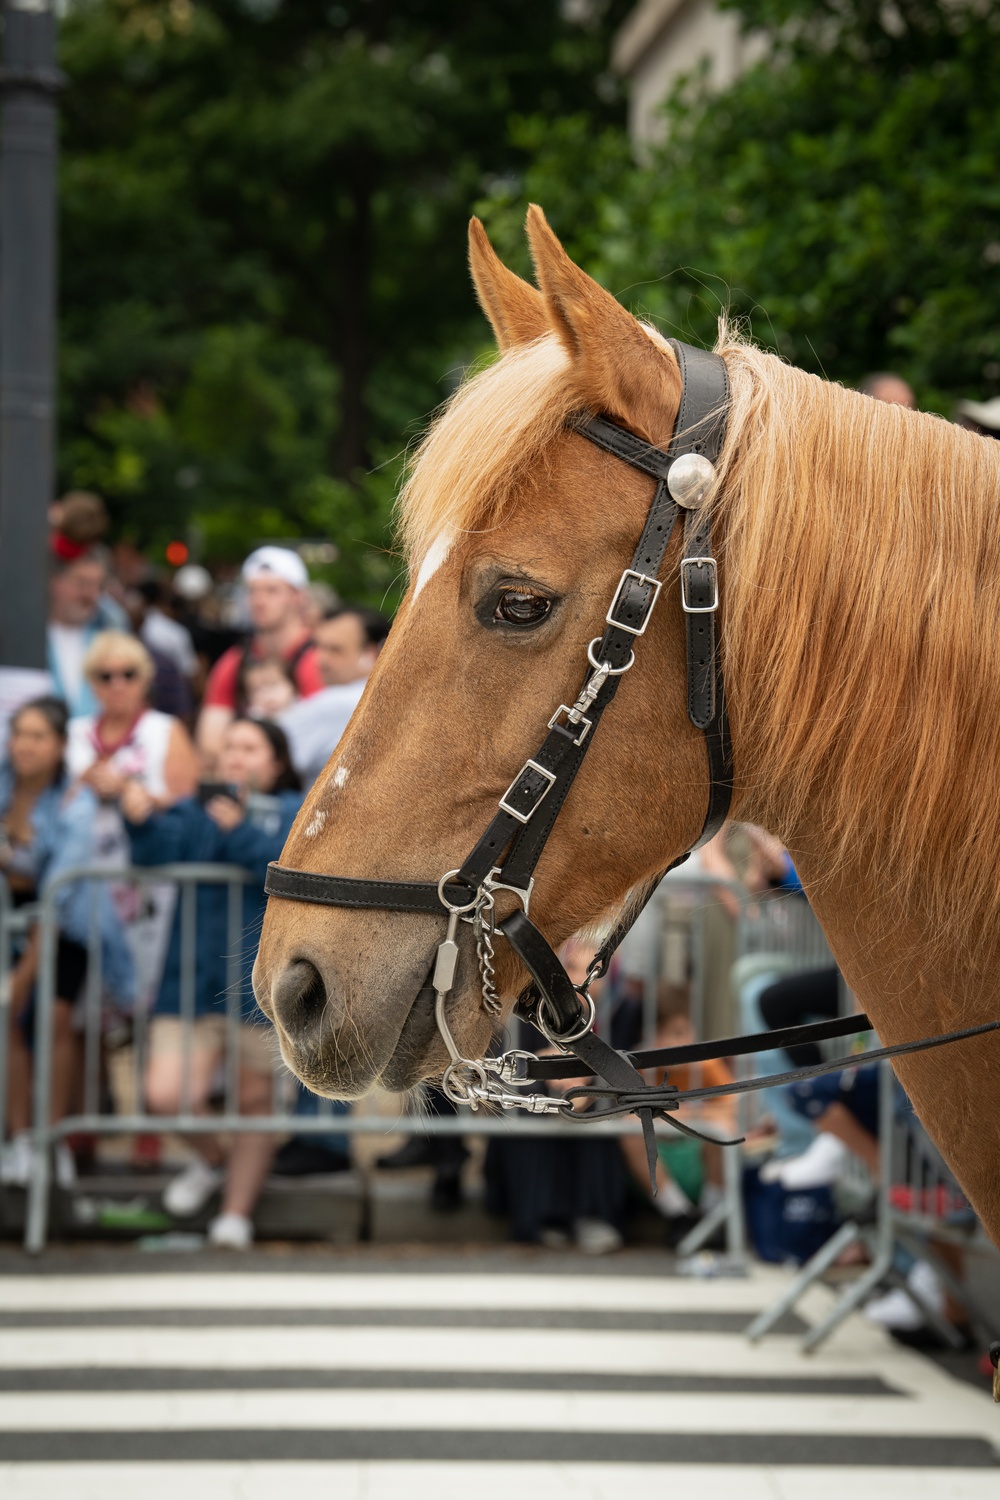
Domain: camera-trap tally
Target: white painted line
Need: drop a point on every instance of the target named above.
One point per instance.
(889, 1483)
(493, 1411)
(218, 1290)
(486, 1481)
(381, 1348)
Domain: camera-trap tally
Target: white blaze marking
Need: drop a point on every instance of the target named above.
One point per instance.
(433, 558)
(339, 778)
(316, 824)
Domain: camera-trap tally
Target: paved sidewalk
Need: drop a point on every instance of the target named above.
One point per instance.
(353, 1376)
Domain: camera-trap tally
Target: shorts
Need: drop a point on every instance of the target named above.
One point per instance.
(855, 1088)
(258, 1046)
(71, 956)
(71, 968)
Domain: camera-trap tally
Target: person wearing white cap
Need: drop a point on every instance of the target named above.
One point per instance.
(981, 416)
(275, 578)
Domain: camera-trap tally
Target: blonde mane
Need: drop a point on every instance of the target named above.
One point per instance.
(861, 626)
(861, 629)
(467, 471)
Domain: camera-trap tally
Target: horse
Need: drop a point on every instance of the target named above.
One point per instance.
(858, 551)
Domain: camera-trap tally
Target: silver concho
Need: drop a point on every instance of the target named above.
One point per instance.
(690, 478)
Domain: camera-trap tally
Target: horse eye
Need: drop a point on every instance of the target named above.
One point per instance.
(516, 608)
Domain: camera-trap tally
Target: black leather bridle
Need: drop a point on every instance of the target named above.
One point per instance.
(506, 855)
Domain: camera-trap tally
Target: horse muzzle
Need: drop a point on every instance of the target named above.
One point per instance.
(343, 1047)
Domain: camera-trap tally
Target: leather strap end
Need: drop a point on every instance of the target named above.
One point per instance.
(649, 1136)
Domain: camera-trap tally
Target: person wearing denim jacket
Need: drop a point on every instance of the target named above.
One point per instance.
(46, 830)
(244, 821)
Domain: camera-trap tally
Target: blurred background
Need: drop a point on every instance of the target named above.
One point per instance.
(263, 203)
(233, 293)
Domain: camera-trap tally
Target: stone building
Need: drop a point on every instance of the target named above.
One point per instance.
(663, 39)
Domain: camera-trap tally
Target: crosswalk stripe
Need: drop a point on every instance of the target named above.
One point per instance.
(690, 1320)
(378, 1348)
(374, 1382)
(248, 1290)
(151, 1379)
(420, 1445)
(495, 1481)
(489, 1411)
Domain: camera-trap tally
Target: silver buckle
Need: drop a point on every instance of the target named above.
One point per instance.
(641, 578)
(529, 765)
(699, 562)
(587, 724)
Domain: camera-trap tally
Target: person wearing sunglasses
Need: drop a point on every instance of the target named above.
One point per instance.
(127, 741)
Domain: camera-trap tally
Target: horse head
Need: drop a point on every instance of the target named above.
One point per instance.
(517, 531)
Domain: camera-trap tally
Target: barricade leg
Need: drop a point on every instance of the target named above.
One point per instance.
(36, 1219)
(727, 1212)
(880, 1239)
(984, 1321)
(936, 1320)
(848, 1301)
(6, 975)
(810, 1272)
(704, 1229)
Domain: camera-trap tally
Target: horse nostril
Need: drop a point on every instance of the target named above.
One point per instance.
(299, 997)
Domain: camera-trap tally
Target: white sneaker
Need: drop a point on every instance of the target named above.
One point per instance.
(596, 1237)
(897, 1309)
(672, 1202)
(819, 1166)
(65, 1166)
(16, 1160)
(231, 1232)
(189, 1192)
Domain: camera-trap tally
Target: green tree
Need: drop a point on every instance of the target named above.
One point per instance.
(264, 288)
(842, 196)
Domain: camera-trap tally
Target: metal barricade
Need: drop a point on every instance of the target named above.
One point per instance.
(916, 1203)
(760, 926)
(784, 924)
(6, 982)
(14, 921)
(94, 1120)
(771, 929)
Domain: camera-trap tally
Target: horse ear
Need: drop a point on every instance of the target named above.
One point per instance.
(620, 369)
(516, 310)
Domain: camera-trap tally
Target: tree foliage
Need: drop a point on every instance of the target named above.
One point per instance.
(842, 196)
(263, 274)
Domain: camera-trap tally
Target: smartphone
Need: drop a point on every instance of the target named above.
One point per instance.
(209, 789)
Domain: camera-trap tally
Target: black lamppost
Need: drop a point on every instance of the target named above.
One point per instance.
(30, 84)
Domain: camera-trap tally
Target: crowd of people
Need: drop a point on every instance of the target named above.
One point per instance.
(184, 723)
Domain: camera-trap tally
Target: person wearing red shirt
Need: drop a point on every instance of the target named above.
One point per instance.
(275, 579)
